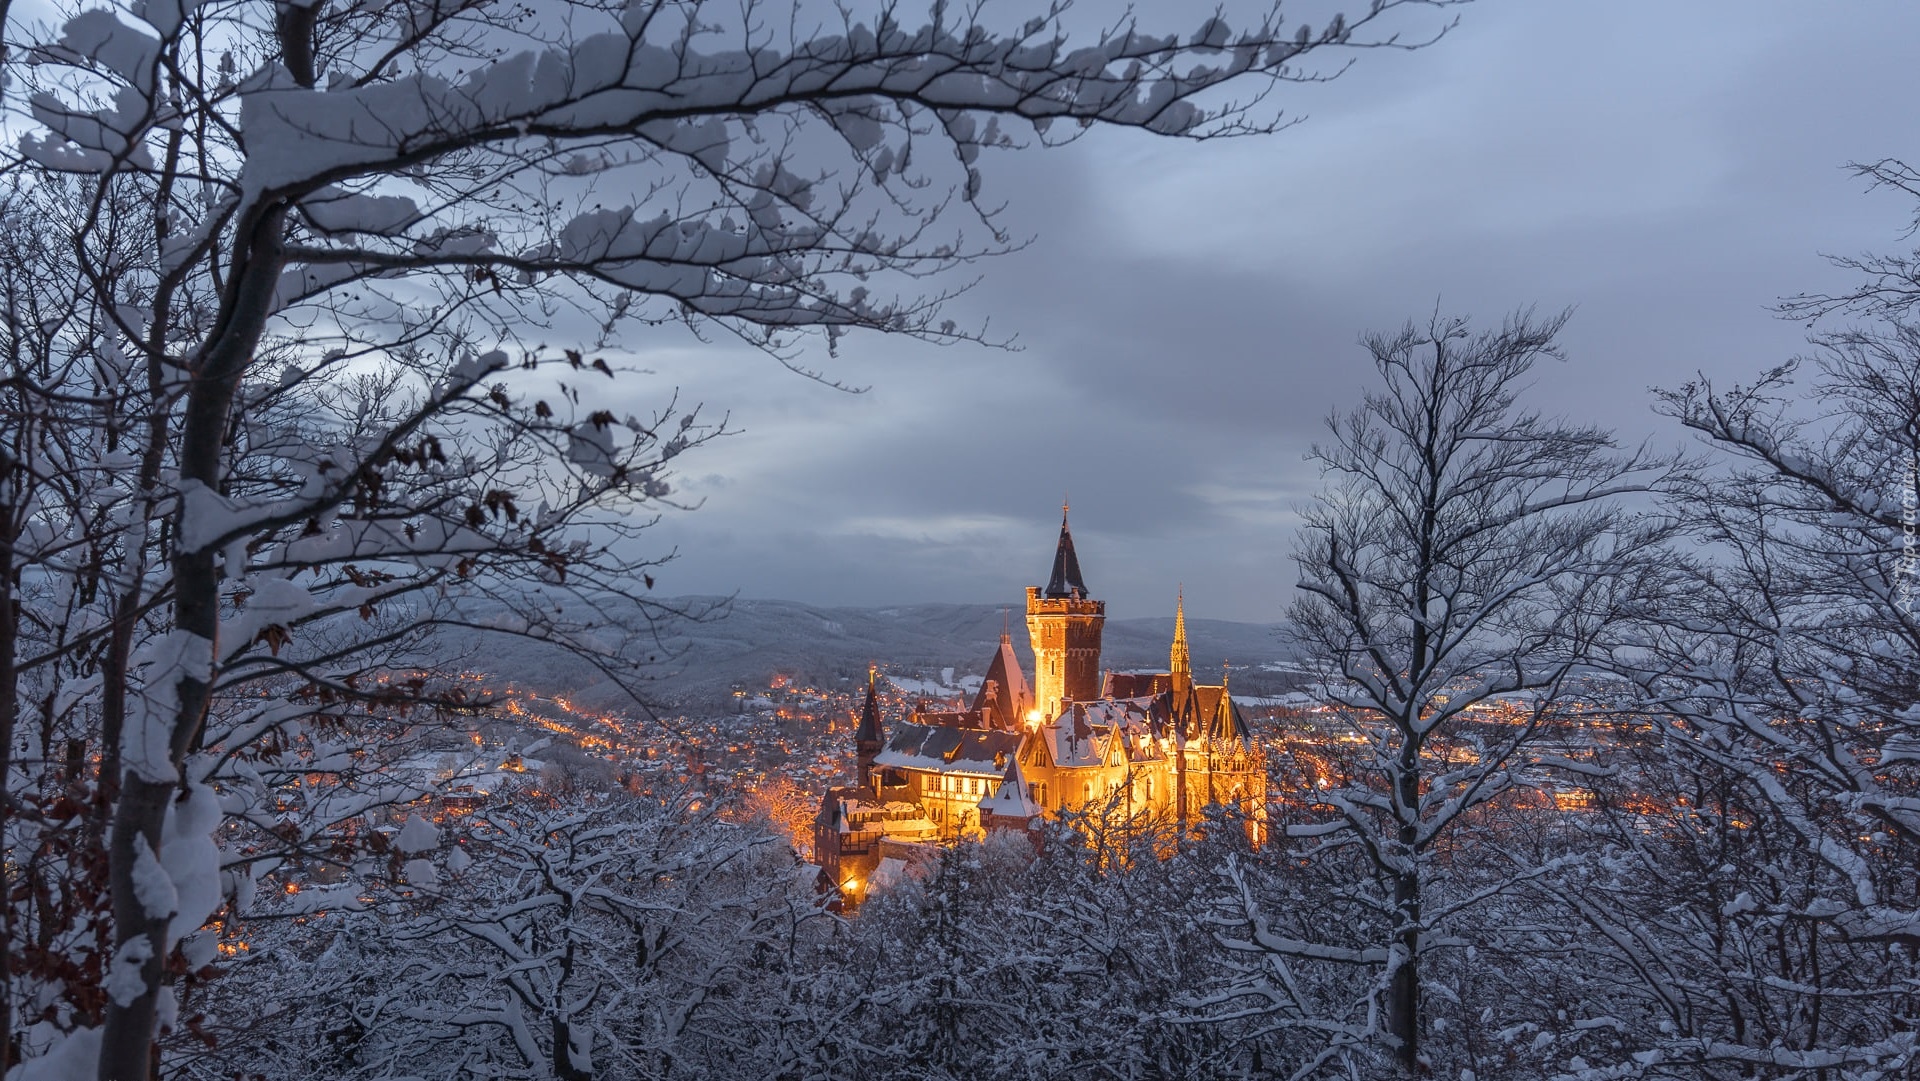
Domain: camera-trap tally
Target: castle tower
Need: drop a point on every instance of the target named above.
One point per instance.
(868, 738)
(1064, 624)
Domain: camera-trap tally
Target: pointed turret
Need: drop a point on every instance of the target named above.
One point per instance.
(869, 737)
(1010, 806)
(1066, 580)
(1181, 661)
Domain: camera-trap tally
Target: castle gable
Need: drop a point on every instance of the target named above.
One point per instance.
(1071, 740)
(1004, 697)
(1011, 800)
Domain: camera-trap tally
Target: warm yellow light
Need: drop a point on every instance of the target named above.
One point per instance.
(1033, 716)
(852, 886)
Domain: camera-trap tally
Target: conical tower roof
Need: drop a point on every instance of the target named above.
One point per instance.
(869, 730)
(1066, 580)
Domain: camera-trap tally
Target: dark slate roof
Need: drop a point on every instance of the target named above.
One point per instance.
(947, 749)
(1203, 703)
(1138, 684)
(1066, 580)
(949, 718)
(869, 730)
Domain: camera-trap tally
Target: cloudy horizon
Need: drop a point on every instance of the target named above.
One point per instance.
(1187, 313)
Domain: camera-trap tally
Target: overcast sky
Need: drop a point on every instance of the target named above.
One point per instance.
(1189, 313)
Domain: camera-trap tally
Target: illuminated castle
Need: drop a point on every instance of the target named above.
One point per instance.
(1150, 747)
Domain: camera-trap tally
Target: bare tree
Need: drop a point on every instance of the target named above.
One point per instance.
(1465, 565)
(319, 241)
(1889, 287)
(1783, 674)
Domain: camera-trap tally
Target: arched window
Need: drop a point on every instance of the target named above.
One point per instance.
(1089, 791)
(1149, 790)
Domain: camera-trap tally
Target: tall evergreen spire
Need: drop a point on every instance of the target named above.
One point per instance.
(1066, 580)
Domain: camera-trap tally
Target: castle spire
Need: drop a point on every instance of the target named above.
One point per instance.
(1181, 662)
(1066, 580)
(867, 738)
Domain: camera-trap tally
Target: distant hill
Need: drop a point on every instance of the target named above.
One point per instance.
(755, 639)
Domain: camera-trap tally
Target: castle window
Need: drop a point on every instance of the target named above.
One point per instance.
(1089, 791)
(1149, 790)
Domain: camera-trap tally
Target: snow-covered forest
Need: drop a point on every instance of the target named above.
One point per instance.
(309, 311)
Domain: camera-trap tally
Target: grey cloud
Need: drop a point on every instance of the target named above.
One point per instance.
(1189, 313)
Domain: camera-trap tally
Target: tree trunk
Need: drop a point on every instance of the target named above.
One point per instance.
(563, 1065)
(9, 704)
(126, 1045)
(127, 1036)
(1403, 993)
